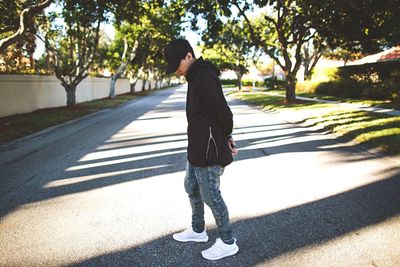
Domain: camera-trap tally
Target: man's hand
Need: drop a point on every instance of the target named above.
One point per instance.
(232, 146)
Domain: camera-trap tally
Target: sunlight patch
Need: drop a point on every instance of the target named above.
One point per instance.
(144, 141)
(119, 161)
(85, 178)
(133, 150)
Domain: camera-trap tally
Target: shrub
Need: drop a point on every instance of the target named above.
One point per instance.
(273, 83)
(342, 88)
(378, 81)
(229, 82)
(320, 75)
(306, 86)
(395, 96)
(246, 82)
(325, 74)
(376, 93)
(379, 72)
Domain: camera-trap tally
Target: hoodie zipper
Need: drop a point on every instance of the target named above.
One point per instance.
(211, 138)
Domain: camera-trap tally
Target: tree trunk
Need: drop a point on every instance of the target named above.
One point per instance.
(240, 82)
(307, 72)
(132, 81)
(144, 85)
(122, 67)
(132, 87)
(18, 54)
(49, 62)
(310, 63)
(239, 76)
(71, 96)
(290, 89)
(112, 85)
(31, 61)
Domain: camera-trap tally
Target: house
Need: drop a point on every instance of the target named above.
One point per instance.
(390, 54)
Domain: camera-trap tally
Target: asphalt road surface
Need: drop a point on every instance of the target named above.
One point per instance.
(107, 190)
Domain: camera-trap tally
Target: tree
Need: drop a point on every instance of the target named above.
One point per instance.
(72, 36)
(100, 64)
(75, 42)
(265, 68)
(356, 25)
(280, 32)
(165, 25)
(232, 49)
(13, 29)
(143, 39)
(128, 54)
(342, 54)
(226, 60)
(18, 57)
(312, 52)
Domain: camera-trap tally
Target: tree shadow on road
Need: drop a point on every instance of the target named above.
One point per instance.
(125, 164)
(261, 238)
(272, 235)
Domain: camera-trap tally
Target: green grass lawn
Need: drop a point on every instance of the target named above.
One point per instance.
(376, 130)
(366, 102)
(376, 103)
(17, 126)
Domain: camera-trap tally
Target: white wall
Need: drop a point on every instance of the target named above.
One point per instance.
(26, 93)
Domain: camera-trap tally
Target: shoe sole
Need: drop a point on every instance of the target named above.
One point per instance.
(230, 253)
(190, 240)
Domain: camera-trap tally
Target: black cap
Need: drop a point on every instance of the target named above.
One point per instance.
(174, 52)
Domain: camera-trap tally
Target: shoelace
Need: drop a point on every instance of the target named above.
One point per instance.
(217, 246)
(188, 231)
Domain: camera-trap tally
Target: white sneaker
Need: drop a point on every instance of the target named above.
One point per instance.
(220, 250)
(190, 235)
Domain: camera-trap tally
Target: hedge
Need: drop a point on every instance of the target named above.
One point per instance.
(229, 81)
(273, 83)
(380, 81)
(245, 82)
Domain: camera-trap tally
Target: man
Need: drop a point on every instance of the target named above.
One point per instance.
(210, 147)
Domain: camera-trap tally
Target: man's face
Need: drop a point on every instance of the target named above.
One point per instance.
(184, 65)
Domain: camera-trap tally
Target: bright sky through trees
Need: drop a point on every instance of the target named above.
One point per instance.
(193, 37)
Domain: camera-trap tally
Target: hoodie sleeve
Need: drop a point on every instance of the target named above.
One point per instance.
(214, 99)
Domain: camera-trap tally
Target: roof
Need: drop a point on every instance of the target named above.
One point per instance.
(390, 54)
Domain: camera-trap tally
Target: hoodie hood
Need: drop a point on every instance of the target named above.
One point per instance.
(200, 64)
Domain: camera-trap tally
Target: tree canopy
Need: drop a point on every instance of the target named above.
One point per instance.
(232, 49)
(144, 39)
(291, 32)
(17, 21)
(357, 25)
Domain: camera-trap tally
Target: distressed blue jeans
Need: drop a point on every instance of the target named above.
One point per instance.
(202, 186)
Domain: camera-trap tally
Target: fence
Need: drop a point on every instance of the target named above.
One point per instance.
(26, 93)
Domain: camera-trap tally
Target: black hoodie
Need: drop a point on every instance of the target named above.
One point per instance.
(209, 117)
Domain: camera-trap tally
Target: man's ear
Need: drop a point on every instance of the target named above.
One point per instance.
(189, 56)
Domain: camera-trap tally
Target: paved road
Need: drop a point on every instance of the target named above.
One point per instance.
(108, 191)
